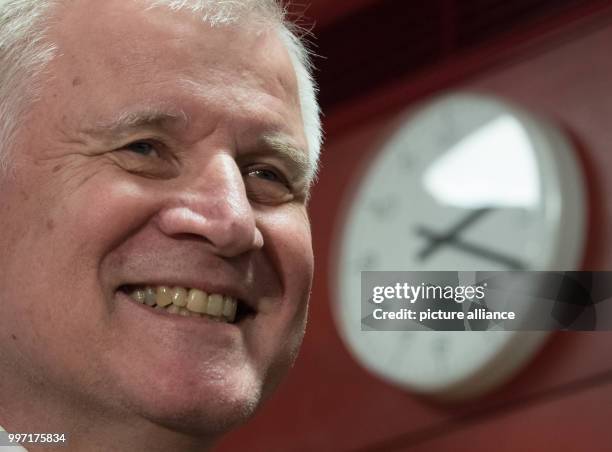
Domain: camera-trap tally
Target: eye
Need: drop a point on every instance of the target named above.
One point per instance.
(143, 148)
(146, 157)
(267, 175)
(267, 186)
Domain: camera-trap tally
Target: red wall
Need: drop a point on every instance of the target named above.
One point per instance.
(563, 400)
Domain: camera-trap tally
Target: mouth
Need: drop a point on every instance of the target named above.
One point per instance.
(190, 302)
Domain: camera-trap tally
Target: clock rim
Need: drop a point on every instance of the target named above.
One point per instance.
(561, 203)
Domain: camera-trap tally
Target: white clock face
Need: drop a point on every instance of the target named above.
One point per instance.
(468, 183)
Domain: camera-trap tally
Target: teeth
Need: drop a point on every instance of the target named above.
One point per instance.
(164, 296)
(179, 297)
(197, 301)
(187, 302)
(138, 295)
(229, 308)
(150, 296)
(173, 309)
(215, 305)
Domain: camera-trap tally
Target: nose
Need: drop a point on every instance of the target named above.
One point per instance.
(213, 205)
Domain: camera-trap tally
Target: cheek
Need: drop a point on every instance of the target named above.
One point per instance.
(287, 241)
(50, 266)
(52, 259)
(103, 215)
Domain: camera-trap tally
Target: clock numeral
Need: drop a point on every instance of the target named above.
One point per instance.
(366, 262)
(384, 208)
(439, 346)
(406, 160)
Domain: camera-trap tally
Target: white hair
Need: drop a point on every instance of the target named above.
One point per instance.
(23, 54)
(25, 51)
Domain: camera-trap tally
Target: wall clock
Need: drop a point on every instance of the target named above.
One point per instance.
(467, 182)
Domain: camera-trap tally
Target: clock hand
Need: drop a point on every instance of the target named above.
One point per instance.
(510, 262)
(450, 238)
(441, 239)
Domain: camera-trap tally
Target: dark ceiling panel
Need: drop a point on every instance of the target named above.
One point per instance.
(363, 48)
(478, 19)
(324, 12)
(390, 39)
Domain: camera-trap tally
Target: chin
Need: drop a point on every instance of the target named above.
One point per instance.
(209, 409)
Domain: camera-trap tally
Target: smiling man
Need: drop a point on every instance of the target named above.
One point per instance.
(155, 255)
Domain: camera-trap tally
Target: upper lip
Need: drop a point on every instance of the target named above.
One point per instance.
(235, 291)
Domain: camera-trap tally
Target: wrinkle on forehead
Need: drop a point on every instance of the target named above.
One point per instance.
(132, 26)
(118, 41)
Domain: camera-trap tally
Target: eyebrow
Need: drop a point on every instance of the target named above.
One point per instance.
(296, 158)
(130, 121)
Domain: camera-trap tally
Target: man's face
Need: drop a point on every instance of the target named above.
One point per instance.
(162, 152)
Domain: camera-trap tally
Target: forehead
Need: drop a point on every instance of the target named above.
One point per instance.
(123, 52)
